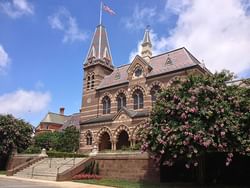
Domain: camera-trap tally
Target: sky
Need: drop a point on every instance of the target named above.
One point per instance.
(43, 44)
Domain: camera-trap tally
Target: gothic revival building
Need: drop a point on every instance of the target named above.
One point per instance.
(117, 101)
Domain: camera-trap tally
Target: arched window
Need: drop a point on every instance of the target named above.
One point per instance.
(92, 81)
(154, 92)
(106, 105)
(89, 139)
(138, 99)
(121, 101)
(88, 83)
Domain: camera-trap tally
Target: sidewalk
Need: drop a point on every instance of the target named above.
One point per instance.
(11, 181)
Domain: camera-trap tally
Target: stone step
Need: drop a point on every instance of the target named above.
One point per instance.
(47, 169)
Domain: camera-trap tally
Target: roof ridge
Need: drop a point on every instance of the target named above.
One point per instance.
(58, 114)
(168, 52)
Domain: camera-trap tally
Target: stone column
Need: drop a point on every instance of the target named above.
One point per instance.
(114, 145)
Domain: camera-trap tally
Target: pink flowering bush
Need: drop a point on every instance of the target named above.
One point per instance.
(198, 115)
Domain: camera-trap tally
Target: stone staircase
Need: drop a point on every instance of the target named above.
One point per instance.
(48, 168)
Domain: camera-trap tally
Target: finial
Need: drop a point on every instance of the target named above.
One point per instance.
(148, 27)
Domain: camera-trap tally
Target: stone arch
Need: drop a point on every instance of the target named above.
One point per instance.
(104, 138)
(136, 130)
(138, 87)
(101, 131)
(121, 128)
(106, 94)
(122, 137)
(156, 83)
(121, 91)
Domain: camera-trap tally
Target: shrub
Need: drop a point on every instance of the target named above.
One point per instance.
(64, 154)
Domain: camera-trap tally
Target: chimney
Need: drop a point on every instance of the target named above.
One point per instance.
(62, 110)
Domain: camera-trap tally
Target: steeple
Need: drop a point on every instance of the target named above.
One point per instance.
(146, 52)
(99, 49)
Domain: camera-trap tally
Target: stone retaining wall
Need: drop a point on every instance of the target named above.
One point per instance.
(128, 166)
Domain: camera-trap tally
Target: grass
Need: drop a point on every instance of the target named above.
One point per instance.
(131, 184)
(2, 172)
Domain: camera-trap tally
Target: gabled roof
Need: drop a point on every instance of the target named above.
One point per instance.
(111, 117)
(181, 59)
(99, 48)
(54, 118)
(72, 120)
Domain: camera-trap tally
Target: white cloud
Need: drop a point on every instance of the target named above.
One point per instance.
(141, 17)
(4, 59)
(63, 21)
(214, 31)
(17, 8)
(23, 102)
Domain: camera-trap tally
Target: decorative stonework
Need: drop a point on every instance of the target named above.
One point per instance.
(121, 91)
(121, 128)
(156, 83)
(136, 129)
(103, 130)
(138, 87)
(107, 94)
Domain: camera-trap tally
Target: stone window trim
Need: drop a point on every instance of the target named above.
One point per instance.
(90, 80)
(121, 101)
(106, 105)
(89, 138)
(154, 92)
(138, 99)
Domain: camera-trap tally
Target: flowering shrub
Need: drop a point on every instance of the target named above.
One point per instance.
(86, 177)
(198, 115)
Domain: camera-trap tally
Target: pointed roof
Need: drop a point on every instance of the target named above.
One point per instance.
(99, 48)
(146, 38)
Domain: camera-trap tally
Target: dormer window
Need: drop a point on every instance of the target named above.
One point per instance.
(168, 61)
(117, 76)
(138, 72)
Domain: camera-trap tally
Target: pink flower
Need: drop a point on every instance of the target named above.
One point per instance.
(222, 133)
(187, 165)
(196, 164)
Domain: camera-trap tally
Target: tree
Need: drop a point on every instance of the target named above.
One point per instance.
(14, 133)
(47, 140)
(198, 115)
(69, 140)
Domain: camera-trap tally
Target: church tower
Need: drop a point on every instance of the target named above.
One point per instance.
(146, 52)
(97, 65)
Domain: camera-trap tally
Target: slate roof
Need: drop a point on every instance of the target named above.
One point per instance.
(99, 48)
(107, 118)
(161, 64)
(72, 120)
(54, 118)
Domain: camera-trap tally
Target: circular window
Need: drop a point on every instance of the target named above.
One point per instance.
(138, 72)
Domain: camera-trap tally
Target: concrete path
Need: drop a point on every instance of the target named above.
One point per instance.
(17, 182)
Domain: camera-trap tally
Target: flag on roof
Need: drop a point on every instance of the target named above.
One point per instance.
(108, 9)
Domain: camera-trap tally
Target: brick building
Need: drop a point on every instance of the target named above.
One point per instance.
(116, 101)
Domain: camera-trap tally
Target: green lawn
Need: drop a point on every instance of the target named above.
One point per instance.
(130, 184)
(2, 172)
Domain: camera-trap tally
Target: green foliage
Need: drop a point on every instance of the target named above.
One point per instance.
(92, 168)
(69, 140)
(47, 140)
(14, 133)
(32, 150)
(66, 141)
(64, 154)
(198, 115)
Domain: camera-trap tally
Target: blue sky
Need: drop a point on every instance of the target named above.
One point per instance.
(43, 44)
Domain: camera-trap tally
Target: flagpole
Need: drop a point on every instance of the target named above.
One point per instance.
(101, 14)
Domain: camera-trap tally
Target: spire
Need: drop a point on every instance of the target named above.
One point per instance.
(99, 48)
(146, 52)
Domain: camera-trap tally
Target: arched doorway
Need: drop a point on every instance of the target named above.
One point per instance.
(122, 140)
(104, 142)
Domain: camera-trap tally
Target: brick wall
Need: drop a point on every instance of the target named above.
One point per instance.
(136, 167)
